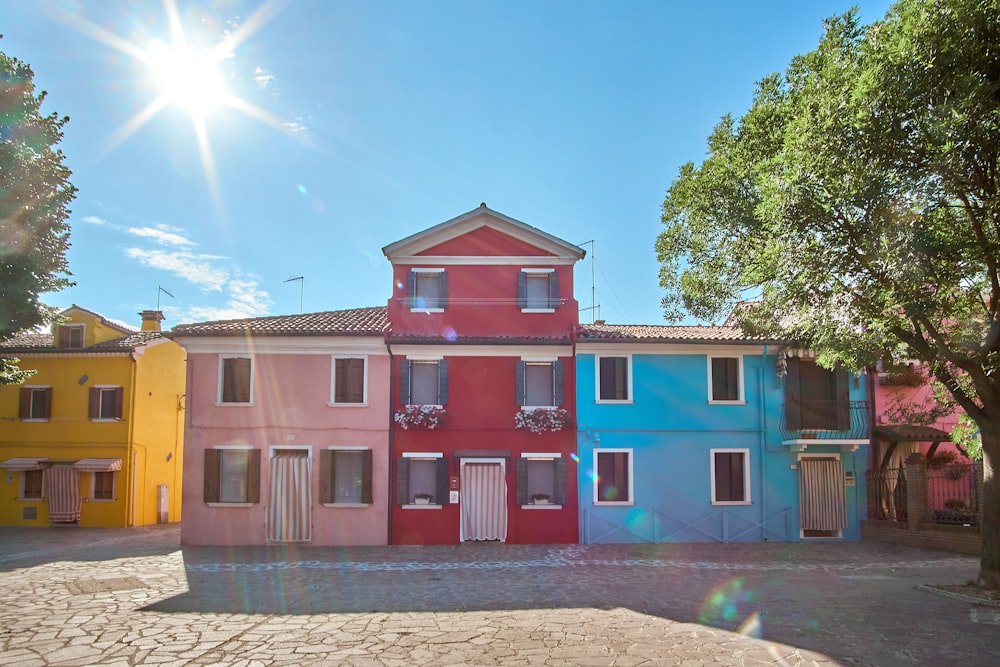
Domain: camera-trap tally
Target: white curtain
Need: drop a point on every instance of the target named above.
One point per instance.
(289, 517)
(65, 500)
(484, 502)
(822, 495)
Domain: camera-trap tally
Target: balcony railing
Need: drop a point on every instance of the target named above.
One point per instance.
(824, 420)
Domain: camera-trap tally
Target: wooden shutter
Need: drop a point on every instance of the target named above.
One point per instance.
(442, 290)
(94, 407)
(243, 376)
(522, 289)
(521, 480)
(326, 470)
(519, 383)
(441, 486)
(212, 476)
(553, 290)
(793, 395)
(842, 395)
(119, 402)
(442, 382)
(253, 476)
(63, 337)
(356, 380)
(24, 409)
(558, 376)
(411, 288)
(366, 476)
(561, 482)
(405, 365)
(48, 403)
(402, 481)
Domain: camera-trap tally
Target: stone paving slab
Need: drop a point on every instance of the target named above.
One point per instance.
(72, 596)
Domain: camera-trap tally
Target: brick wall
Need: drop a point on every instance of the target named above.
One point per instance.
(960, 539)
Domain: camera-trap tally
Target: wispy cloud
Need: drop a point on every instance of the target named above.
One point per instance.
(161, 234)
(195, 268)
(245, 300)
(264, 79)
(94, 220)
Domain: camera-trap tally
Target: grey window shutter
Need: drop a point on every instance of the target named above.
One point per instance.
(442, 382)
(443, 290)
(522, 289)
(842, 392)
(326, 468)
(561, 482)
(793, 395)
(366, 477)
(404, 381)
(411, 288)
(519, 383)
(521, 480)
(402, 481)
(441, 492)
(553, 290)
(557, 383)
(211, 489)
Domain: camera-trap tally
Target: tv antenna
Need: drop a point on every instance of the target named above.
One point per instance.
(302, 289)
(595, 308)
(160, 290)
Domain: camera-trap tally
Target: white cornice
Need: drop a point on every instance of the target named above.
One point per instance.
(515, 351)
(283, 345)
(480, 260)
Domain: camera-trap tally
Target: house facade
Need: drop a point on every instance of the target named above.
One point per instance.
(95, 436)
(697, 434)
(287, 430)
(482, 383)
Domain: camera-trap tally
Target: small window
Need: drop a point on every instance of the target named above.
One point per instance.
(36, 403)
(104, 486)
(70, 336)
(538, 289)
(726, 379)
(422, 479)
(105, 403)
(541, 479)
(31, 484)
(236, 383)
(730, 476)
(539, 383)
(614, 476)
(427, 289)
(424, 382)
(349, 385)
(614, 378)
(346, 476)
(232, 476)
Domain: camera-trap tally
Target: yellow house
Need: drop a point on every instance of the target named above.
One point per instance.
(95, 436)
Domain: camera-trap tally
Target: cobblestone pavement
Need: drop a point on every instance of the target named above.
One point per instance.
(77, 596)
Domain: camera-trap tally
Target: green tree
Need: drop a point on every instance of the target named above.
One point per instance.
(34, 194)
(856, 206)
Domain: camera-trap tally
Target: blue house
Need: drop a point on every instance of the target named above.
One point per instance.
(699, 434)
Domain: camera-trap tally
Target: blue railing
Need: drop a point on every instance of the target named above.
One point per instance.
(824, 420)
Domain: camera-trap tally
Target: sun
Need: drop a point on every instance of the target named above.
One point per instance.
(188, 78)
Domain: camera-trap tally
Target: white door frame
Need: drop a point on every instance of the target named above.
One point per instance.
(461, 469)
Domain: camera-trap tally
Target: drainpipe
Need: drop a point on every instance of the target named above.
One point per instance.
(763, 448)
(392, 434)
(130, 450)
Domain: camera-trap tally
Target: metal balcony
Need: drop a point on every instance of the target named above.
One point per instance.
(809, 422)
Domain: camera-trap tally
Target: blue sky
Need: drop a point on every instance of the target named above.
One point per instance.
(351, 125)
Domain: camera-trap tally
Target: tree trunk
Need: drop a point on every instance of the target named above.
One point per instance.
(989, 568)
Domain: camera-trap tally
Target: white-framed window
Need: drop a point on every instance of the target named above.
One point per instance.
(614, 483)
(345, 476)
(730, 470)
(725, 380)
(427, 290)
(235, 380)
(71, 335)
(541, 480)
(349, 380)
(423, 382)
(36, 403)
(539, 383)
(538, 290)
(232, 475)
(102, 485)
(614, 378)
(106, 403)
(32, 485)
(422, 480)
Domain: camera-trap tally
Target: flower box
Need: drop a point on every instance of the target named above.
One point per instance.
(542, 420)
(540, 499)
(422, 499)
(426, 417)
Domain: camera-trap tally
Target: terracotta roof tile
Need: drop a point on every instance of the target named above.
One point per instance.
(28, 340)
(654, 333)
(353, 322)
(499, 339)
(42, 342)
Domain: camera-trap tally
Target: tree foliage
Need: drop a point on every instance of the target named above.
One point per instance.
(855, 205)
(34, 194)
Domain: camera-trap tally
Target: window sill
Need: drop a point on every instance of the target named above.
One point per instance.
(230, 504)
(731, 503)
(233, 404)
(35, 419)
(532, 506)
(538, 310)
(107, 421)
(100, 500)
(422, 507)
(627, 401)
(347, 405)
(615, 503)
(30, 500)
(713, 402)
(426, 310)
(347, 505)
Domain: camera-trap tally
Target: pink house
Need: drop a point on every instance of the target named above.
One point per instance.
(285, 434)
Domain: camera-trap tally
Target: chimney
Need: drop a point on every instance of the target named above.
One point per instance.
(151, 320)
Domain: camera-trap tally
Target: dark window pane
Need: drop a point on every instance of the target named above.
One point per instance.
(104, 485)
(612, 473)
(729, 480)
(424, 383)
(428, 291)
(236, 380)
(614, 378)
(537, 290)
(725, 379)
(538, 384)
(349, 381)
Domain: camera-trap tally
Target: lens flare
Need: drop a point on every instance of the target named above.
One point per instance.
(727, 603)
(449, 334)
(400, 285)
(301, 188)
(576, 459)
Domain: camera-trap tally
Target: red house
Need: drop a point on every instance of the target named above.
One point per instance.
(483, 383)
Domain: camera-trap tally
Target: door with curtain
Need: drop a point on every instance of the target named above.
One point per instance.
(484, 501)
(822, 497)
(289, 511)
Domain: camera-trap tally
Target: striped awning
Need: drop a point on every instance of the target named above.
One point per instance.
(23, 464)
(98, 465)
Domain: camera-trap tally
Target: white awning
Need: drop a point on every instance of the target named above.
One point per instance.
(23, 464)
(98, 465)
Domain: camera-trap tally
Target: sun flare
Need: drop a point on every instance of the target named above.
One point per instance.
(187, 78)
